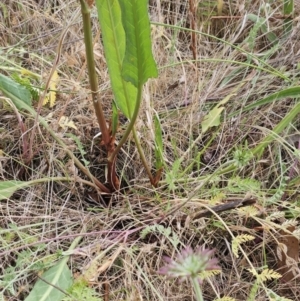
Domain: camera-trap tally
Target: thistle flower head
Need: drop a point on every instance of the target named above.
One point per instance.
(190, 263)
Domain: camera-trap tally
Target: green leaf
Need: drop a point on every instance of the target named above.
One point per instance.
(212, 119)
(59, 276)
(7, 188)
(25, 81)
(288, 118)
(139, 64)
(288, 7)
(269, 34)
(113, 37)
(80, 290)
(172, 175)
(15, 92)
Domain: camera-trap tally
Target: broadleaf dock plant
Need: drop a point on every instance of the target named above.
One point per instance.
(125, 28)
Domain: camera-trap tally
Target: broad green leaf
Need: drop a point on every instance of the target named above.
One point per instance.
(113, 37)
(8, 188)
(288, 7)
(212, 119)
(158, 143)
(214, 116)
(59, 276)
(139, 64)
(20, 96)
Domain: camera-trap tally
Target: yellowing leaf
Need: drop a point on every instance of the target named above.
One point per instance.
(226, 298)
(265, 274)
(220, 5)
(64, 122)
(238, 240)
(269, 274)
(206, 274)
(28, 73)
(248, 211)
(51, 96)
(212, 119)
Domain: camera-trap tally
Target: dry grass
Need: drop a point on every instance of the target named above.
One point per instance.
(40, 222)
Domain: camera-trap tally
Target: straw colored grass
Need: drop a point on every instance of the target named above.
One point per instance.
(38, 223)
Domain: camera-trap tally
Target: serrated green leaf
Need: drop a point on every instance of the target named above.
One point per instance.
(172, 175)
(139, 64)
(16, 92)
(59, 276)
(8, 188)
(113, 37)
(25, 82)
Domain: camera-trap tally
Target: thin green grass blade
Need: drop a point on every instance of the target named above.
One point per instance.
(293, 92)
(113, 37)
(139, 64)
(277, 130)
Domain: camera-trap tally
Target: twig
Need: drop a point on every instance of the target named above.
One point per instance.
(225, 207)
